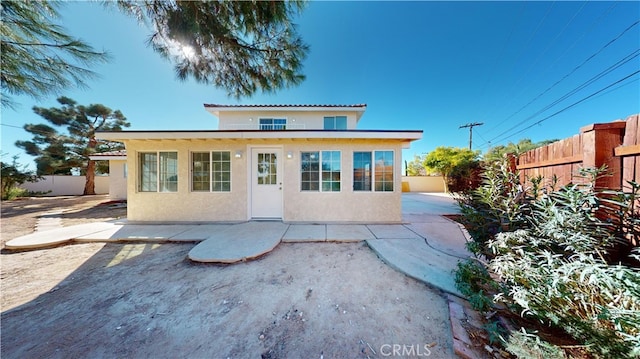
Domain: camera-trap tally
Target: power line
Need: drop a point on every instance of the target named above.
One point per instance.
(570, 72)
(572, 105)
(618, 64)
(541, 54)
(526, 46)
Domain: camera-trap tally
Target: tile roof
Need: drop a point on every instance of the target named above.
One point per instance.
(283, 105)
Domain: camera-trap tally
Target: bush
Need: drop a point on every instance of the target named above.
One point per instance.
(497, 205)
(465, 178)
(14, 192)
(551, 252)
(527, 345)
(473, 281)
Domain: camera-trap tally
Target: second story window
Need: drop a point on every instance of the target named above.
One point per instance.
(335, 123)
(272, 124)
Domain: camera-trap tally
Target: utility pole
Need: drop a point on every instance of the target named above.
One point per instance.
(471, 126)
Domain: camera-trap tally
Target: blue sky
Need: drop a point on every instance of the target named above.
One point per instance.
(429, 66)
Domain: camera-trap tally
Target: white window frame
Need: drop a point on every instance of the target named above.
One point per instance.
(211, 172)
(158, 175)
(320, 182)
(373, 171)
(284, 126)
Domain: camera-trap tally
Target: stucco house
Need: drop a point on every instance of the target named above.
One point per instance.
(117, 172)
(295, 163)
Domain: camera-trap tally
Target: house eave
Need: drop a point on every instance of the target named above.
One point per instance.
(409, 135)
(108, 158)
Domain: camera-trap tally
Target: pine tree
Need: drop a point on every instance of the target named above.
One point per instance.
(240, 46)
(59, 152)
(38, 57)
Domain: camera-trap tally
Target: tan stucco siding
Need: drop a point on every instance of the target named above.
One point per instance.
(298, 206)
(298, 120)
(347, 205)
(185, 205)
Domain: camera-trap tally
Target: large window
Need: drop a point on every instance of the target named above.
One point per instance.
(383, 171)
(362, 171)
(380, 171)
(320, 171)
(335, 123)
(271, 124)
(211, 171)
(158, 171)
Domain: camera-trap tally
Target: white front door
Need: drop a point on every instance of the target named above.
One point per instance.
(266, 183)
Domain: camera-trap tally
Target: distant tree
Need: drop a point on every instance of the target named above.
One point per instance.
(59, 153)
(38, 57)
(444, 160)
(416, 166)
(14, 174)
(240, 46)
(497, 153)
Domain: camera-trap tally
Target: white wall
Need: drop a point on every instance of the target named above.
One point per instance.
(299, 120)
(66, 185)
(117, 179)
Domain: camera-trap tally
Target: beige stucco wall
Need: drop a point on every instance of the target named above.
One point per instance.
(117, 179)
(184, 205)
(299, 119)
(425, 183)
(347, 205)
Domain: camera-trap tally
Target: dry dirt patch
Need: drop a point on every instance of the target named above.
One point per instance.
(136, 300)
(147, 300)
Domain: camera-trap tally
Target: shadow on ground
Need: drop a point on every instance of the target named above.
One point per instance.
(302, 300)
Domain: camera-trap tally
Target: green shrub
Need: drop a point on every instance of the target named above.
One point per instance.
(473, 281)
(497, 205)
(528, 345)
(14, 192)
(551, 251)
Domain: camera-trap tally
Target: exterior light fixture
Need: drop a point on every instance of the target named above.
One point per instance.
(238, 154)
(289, 155)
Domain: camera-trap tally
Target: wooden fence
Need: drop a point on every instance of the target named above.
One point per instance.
(614, 144)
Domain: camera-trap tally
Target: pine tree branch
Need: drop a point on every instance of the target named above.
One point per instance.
(72, 44)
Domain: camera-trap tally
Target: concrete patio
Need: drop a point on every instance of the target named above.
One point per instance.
(426, 247)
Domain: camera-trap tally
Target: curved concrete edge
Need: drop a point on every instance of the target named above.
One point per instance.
(205, 256)
(239, 243)
(413, 258)
(56, 236)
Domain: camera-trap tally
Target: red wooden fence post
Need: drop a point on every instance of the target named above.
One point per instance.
(598, 143)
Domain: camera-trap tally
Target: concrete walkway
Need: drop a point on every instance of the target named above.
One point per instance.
(427, 247)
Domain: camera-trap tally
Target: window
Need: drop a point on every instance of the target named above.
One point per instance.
(211, 171)
(381, 172)
(158, 171)
(267, 168)
(310, 165)
(335, 123)
(200, 171)
(362, 171)
(271, 124)
(320, 171)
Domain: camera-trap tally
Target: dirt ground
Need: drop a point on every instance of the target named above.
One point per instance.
(306, 300)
